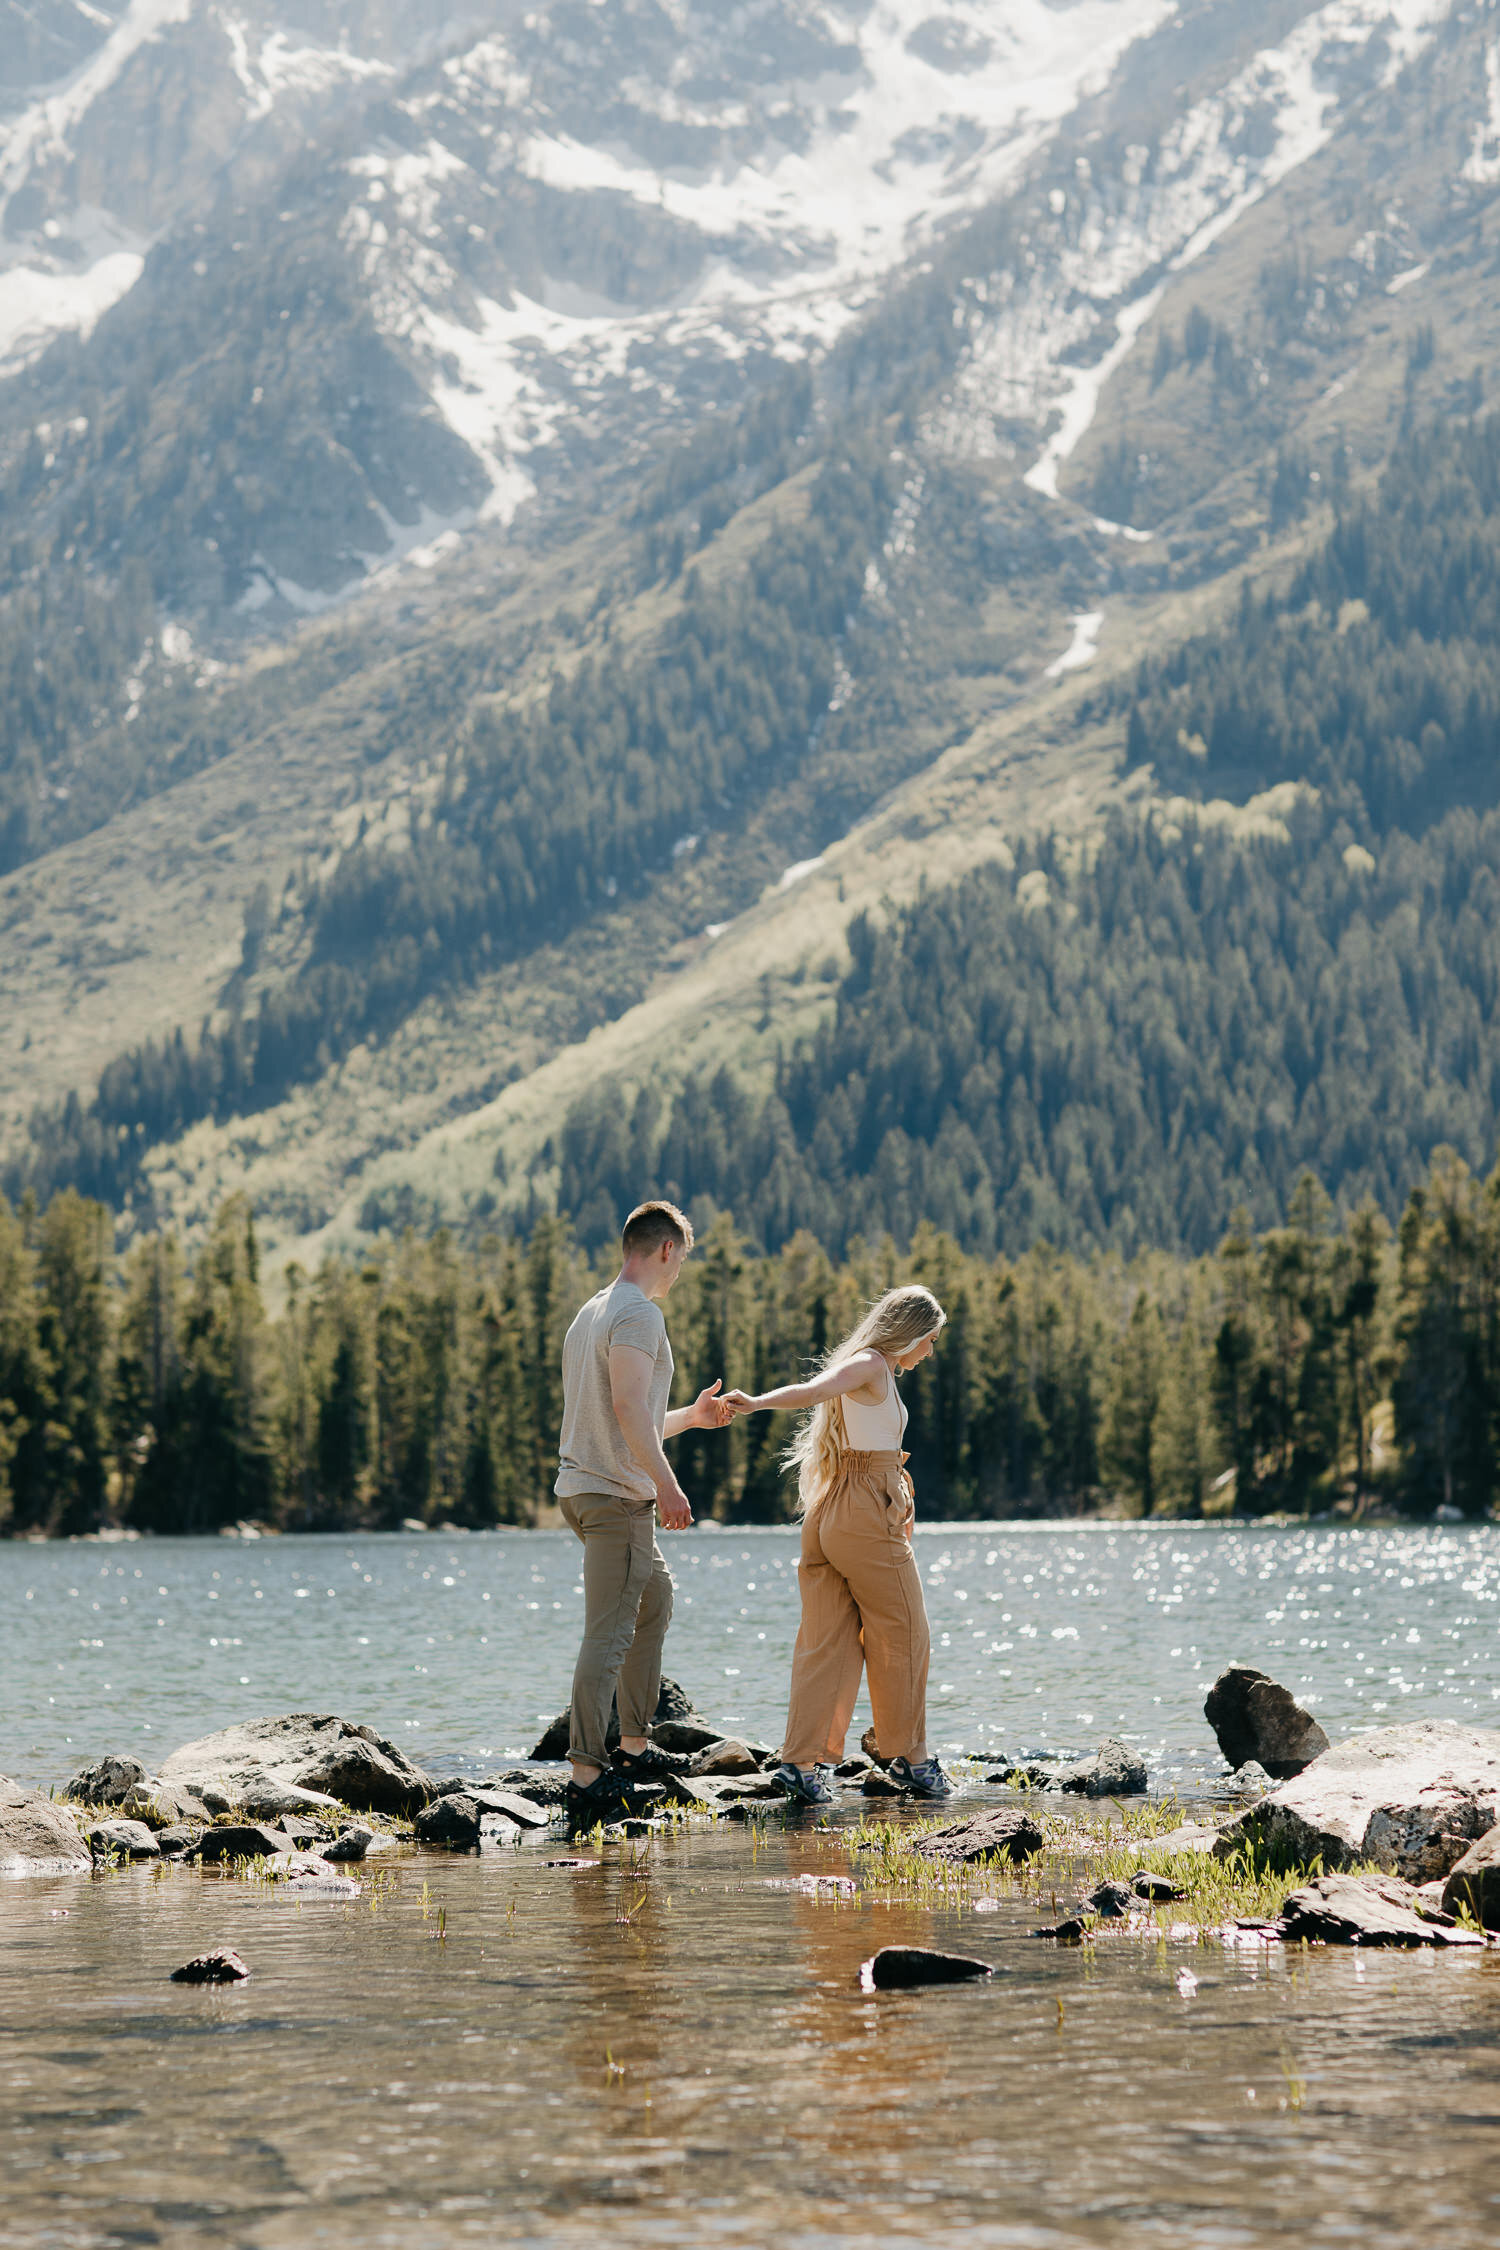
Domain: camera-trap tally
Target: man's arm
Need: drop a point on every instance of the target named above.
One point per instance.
(630, 1375)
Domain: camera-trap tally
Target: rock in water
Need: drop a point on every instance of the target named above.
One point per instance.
(1475, 1882)
(672, 1703)
(123, 1839)
(1113, 1771)
(1410, 1797)
(1256, 1718)
(1362, 1910)
(895, 1967)
(725, 1756)
(451, 1822)
(241, 1840)
(223, 1967)
(312, 1752)
(350, 1846)
(1005, 1833)
(36, 1836)
(109, 1782)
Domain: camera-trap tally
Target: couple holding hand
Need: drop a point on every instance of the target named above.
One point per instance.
(861, 1597)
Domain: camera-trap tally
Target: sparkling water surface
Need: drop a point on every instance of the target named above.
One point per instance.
(666, 2045)
(1044, 1636)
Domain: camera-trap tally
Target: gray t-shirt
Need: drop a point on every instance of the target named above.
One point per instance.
(593, 1451)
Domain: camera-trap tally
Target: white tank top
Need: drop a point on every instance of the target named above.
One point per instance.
(876, 1429)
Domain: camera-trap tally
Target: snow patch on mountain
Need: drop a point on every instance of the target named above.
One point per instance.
(35, 305)
(44, 127)
(273, 69)
(1089, 300)
(1482, 165)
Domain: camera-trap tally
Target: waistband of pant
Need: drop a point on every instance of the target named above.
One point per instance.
(851, 1458)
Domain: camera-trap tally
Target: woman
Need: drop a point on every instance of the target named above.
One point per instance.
(861, 1596)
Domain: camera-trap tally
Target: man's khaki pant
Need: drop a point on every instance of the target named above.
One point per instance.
(862, 1608)
(627, 1607)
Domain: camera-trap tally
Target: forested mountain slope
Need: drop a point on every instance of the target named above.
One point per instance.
(376, 777)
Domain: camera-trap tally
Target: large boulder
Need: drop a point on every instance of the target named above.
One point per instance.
(1112, 1771)
(36, 1836)
(1259, 1721)
(317, 1756)
(1412, 1798)
(1475, 1882)
(673, 1704)
(1004, 1833)
(1364, 1910)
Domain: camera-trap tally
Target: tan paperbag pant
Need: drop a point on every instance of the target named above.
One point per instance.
(862, 1609)
(627, 1607)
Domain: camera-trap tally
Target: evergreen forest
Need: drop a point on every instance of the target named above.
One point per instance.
(1307, 1366)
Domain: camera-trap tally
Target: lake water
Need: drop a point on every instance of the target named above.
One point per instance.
(669, 2047)
(1044, 1636)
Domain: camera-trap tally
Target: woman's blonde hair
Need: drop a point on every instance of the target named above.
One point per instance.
(894, 1323)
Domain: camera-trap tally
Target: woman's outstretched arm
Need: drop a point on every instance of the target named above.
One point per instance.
(835, 1382)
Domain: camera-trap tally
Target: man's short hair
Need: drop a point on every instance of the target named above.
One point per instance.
(652, 1224)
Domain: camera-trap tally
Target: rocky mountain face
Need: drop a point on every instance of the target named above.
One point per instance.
(367, 371)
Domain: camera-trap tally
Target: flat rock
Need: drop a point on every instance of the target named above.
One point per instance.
(749, 1789)
(1363, 1910)
(1411, 1797)
(725, 1756)
(122, 1839)
(1028, 1775)
(162, 1804)
(877, 1783)
(853, 1769)
(36, 1836)
(1255, 1717)
(309, 1751)
(240, 1840)
(1475, 1882)
(108, 1782)
(1112, 1771)
(673, 1702)
(685, 1737)
(1003, 1832)
(507, 1804)
(540, 1788)
(1189, 1836)
(897, 1967)
(223, 1967)
(175, 1842)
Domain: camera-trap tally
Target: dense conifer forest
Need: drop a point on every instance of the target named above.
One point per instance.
(1306, 1366)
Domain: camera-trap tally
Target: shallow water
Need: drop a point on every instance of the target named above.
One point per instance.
(1044, 1636)
(674, 2052)
(665, 2048)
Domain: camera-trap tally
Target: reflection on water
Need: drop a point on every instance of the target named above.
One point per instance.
(1044, 1636)
(673, 2051)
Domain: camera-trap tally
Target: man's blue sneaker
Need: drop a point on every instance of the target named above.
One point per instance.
(926, 1780)
(804, 1788)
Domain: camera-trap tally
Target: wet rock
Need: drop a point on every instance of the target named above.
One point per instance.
(895, 1968)
(1362, 1910)
(311, 1751)
(1002, 1833)
(693, 1796)
(1156, 1890)
(223, 1967)
(240, 1840)
(177, 1841)
(36, 1836)
(304, 1833)
(685, 1736)
(748, 1789)
(1255, 1717)
(726, 1756)
(539, 1788)
(109, 1782)
(877, 1783)
(1474, 1883)
(1029, 1775)
(1253, 1779)
(351, 1846)
(1072, 1930)
(309, 1875)
(122, 1839)
(1112, 1771)
(853, 1769)
(673, 1702)
(1112, 1900)
(1394, 1795)
(521, 1812)
(450, 1823)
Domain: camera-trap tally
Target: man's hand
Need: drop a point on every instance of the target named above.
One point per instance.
(673, 1507)
(709, 1411)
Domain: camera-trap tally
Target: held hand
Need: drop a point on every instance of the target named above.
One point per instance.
(740, 1402)
(710, 1412)
(674, 1508)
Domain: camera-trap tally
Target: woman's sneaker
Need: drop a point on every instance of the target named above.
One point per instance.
(597, 1803)
(926, 1780)
(804, 1788)
(649, 1764)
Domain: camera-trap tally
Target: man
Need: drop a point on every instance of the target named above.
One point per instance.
(617, 1378)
